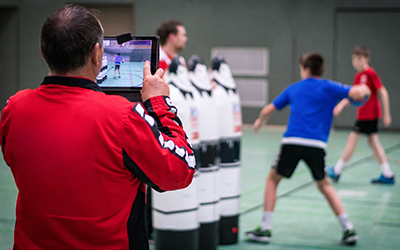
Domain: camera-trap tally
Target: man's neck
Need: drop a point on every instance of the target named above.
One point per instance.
(82, 72)
(170, 50)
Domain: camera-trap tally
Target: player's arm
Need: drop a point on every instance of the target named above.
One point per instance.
(340, 106)
(277, 104)
(384, 97)
(265, 113)
(359, 91)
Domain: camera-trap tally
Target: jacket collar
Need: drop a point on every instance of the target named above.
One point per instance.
(72, 82)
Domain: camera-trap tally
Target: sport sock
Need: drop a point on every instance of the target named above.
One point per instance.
(266, 221)
(386, 171)
(345, 222)
(340, 164)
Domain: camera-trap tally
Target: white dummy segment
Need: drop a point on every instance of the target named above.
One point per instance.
(176, 210)
(207, 154)
(230, 130)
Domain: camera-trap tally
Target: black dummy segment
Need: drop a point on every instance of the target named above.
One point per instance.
(193, 61)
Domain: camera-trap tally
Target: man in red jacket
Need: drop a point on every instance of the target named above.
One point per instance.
(173, 38)
(80, 158)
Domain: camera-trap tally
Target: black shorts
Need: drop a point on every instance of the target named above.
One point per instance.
(117, 66)
(366, 127)
(289, 156)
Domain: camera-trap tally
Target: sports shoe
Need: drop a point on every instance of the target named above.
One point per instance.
(350, 237)
(260, 235)
(331, 173)
(383, 180)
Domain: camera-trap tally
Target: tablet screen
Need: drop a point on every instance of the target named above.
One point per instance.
(122, 65)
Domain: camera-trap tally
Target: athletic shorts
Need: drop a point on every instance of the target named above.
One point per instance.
(366, 127)
(289, 156)
(117, 66)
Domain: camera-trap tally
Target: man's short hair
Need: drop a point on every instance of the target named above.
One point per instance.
(68, 37)
(166, 28)
(313, 61)
(361, 51)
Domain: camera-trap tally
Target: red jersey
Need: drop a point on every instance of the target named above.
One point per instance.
(165, 60)
(81, 159)
(371, 110)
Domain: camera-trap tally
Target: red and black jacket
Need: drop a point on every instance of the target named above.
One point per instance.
(81, 159)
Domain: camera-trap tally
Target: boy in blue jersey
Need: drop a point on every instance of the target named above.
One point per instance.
(118, 59)
(311, 101)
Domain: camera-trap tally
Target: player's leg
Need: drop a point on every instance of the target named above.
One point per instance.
(263, 232)
(273, 180)
(376, 147)
(352, 141)
(284, 164)
(349, 234)
(379, 152)
(315, 159)
(331, 196)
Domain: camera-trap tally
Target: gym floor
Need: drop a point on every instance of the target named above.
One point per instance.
(302, 218)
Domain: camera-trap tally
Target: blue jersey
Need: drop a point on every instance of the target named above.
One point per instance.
(118, 60)
(311, 101)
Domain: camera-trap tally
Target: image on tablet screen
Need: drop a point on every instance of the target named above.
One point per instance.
(122, 64)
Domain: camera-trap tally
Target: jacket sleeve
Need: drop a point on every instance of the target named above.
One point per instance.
(155, 146)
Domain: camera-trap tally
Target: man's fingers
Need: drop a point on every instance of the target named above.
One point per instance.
(146, 69)
(147, 72)
(159, 73)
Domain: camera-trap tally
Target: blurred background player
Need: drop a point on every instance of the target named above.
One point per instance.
(118, 59)
(367, 118)
(173, 38)
(311, 101)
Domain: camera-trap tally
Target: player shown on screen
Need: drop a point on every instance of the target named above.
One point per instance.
(118, 59)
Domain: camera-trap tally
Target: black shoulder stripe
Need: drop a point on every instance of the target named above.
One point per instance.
(153, 114)
(135, 169)
(180, 152)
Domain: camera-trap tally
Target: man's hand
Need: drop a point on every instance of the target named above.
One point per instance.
(153, 85)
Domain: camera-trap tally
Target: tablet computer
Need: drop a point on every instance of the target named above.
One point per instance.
(123, 61)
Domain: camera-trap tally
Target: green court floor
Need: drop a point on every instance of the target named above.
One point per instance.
(302, 219)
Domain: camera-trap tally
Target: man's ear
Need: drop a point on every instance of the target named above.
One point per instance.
(96, 56)
(171, 37)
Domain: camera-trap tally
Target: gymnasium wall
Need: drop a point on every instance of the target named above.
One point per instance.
(287, 28)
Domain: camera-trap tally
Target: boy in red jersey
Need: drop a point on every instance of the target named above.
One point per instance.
(367, 118)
